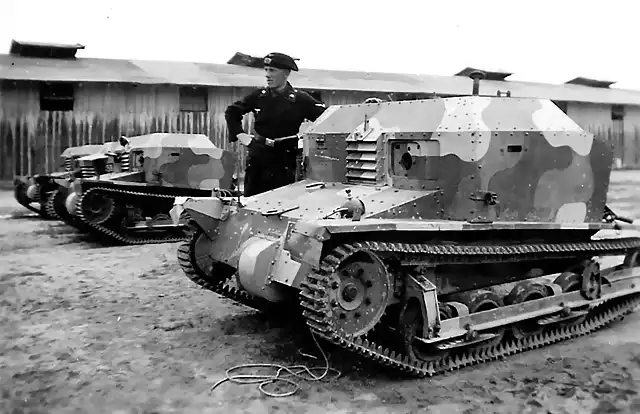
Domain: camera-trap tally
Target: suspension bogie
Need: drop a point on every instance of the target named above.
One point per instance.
(412, 292)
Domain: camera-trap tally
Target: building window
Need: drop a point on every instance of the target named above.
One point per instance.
(617, 112)
(8, 85)
(56, 96)
(194, 99)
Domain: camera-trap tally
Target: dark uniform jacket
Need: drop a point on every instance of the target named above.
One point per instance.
(276, 115)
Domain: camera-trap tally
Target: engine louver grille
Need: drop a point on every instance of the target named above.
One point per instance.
(362, 159)
(88, 171)
(68, 164)
(125, 162)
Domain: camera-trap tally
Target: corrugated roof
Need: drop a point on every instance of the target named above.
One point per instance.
(211, 74)
(563, 92)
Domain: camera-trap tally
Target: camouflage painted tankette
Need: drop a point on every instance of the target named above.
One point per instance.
(49, 190)
(429, 235)
(129, 195)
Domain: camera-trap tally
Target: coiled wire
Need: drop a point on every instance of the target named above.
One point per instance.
(298, 371)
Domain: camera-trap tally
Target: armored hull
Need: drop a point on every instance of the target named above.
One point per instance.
(131, 205)
(429, 235)
(49, 190)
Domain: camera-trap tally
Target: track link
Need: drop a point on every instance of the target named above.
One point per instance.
(113, 235)
(217, 282)
(49, 205)
(315, 301)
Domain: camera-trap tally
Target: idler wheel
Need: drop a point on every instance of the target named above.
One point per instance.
(98, 208)
(33, 193)
(198, 264)
(525, 292)
(200, 255)
(359, 292)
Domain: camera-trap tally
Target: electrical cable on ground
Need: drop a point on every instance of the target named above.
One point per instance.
(298, 371)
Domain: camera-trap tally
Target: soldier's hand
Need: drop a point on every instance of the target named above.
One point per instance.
(244, 138)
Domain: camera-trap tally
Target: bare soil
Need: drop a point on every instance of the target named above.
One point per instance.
(91, 329)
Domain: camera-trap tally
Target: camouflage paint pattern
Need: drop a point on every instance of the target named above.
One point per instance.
(423, 166)
(539, 162)
(189, 161)
(170, 160)
(181, 160)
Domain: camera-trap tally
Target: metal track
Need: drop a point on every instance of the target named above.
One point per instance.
(313, 298)
(32, 208)
(215, 283)
(49, 206)
(113, 235)
(314, 301)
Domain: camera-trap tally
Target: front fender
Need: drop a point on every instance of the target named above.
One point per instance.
(205, 211)
(177, 209)
(63, 182)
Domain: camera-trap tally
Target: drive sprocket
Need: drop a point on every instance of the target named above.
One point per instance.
(483, 347)
(358, 291)
(96, 207)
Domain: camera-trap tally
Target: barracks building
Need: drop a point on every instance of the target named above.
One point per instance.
(50, 99)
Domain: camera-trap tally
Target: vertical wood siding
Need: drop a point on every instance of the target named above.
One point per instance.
(32, 140)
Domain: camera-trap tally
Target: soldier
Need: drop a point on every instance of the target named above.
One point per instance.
(279, 110)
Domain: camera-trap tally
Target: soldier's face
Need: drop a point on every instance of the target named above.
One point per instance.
(276, 78)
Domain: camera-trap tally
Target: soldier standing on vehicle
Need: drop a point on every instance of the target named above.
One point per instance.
(278, 111)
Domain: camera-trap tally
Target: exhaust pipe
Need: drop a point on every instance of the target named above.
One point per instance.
(476, 75)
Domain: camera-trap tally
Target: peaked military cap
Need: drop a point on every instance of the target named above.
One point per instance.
(280, 61)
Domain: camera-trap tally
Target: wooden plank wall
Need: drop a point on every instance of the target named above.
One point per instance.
(624, 143)
(31, 140)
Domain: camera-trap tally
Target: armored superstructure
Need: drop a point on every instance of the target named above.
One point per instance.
(129, 195)
(429, 235)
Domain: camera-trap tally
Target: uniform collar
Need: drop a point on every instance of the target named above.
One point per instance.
(287, 90)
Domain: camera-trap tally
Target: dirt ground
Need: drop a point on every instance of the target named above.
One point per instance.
(91, 329)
